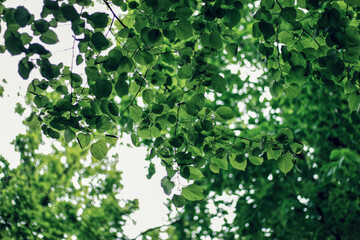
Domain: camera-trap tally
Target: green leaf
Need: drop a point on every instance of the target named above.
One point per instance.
(53, 134)
(274, 153)
(292, 91)
(103, 124)
(135, 139)
(285, 163)
(185, 172)
(284, 136)
(266, 28)
(238, 161)
(143, 57)
(296, 147)
(195, 174)
(183, 12)
(218, 83)
(135, 113)
(185, 72)
(178, 200)
(83, 139)
(195, 105)
(103, 88)
(49, 37)
(113, 109)
(288, 14)
(214, 168)
(69, 12)
(111, 139)
(232, 49)
(41, 25)
(25, 68)
(158, 78)
(148, 95)
(222, 163)
(176, 141)
(276, 89)
(184, 30)
(100, 41)
(167, 185)
(354, 101)
(22, 16)
(41, 101)
(353, 3)
(99, 149)
(337, 68)
(256, 160)
(232, 18)
(122, 87)
(225, 112)
(215, 40)
(69, 135)
(98, 20)
(76, 80)
(193, 192)
(113, 61)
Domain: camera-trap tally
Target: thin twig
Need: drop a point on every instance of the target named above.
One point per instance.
(131, 104)
(117, 18)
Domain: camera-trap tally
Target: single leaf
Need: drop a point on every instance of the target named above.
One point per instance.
(178, 200)
(69, 135)
(100, 41)
(185, 72)
(84, 139)
(148, 95)
(195, 174)
(232, 49)
(285, 163)
(143, 57)
(99, 149)
(193, 192)
(49, 37)
(354, 101)
(225, 112)
(256, 160)
(288, 14)
(22, 16)
(135, 113)
(215, 40)
(103, 124)
(218, 83)
(222, 163)
(232, 18)
(167, 185)
(238, 161)
(184, 30)
(274, 153)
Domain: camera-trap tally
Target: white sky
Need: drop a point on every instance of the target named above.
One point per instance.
(152, 211)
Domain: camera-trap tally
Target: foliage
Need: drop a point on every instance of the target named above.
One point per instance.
(61, 194)
(161, 73)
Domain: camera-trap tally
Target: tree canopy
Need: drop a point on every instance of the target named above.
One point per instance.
(177, 75)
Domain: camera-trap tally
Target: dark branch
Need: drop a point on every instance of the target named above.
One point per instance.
(117, 18)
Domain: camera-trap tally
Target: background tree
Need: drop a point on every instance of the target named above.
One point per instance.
(60, 195)
(161, 73)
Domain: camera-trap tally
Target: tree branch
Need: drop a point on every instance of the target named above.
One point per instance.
(117, 18)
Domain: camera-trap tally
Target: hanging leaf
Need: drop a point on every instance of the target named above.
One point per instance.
(49, 37)
(193, 192)
(225, 112)
(285, 163)
(99, 149)
(178, 201)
